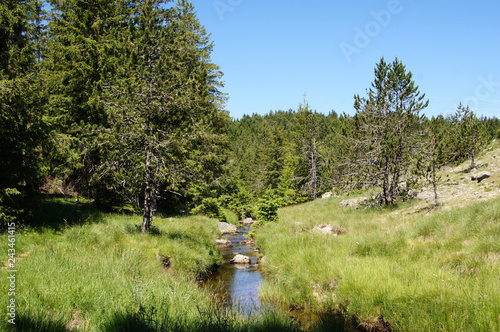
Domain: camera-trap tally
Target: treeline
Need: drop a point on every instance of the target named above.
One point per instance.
(288, 157)
(119, 102)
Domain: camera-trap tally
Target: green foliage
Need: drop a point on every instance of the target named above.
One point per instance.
(267, 210)
(10, 209)
(23, 129)
(468, 135)
(242, 202)
(209, 207)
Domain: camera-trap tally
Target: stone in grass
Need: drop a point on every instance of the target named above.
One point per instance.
(353, 203)
(481, 176)
(240, 259)
(327, 195)
(427, 196)
(226, 228)
(329, 230)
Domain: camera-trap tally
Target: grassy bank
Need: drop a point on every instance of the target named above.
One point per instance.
(420, 271)
(100, 273)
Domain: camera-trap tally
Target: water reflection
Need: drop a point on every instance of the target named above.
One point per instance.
(238, 285)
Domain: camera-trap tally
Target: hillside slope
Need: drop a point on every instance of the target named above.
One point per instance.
(413, 266)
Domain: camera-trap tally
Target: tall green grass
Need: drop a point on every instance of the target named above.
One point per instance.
(438, 272)
(103, 274)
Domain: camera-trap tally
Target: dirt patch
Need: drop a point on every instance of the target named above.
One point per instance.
(76, 323)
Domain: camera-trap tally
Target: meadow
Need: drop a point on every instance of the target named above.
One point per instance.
(93, 271)
(428, 270)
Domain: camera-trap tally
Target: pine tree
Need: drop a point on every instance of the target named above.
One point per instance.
(468, 136)
(309, 144)
(80, 50)
(164, 106)
(22, 134)
(273, 153)
(389, 131)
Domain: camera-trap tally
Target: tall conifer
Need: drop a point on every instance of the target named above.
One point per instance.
(389, 130)
(164, 105)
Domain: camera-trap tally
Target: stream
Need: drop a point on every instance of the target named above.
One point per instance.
(237, 284)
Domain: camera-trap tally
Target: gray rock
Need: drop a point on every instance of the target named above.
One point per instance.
(248, 221)
(353, 203)
(480, 176)
(226, 228)
(329, 230)
(240, 259)
(224, 242)
(327, 195)
(427, 196)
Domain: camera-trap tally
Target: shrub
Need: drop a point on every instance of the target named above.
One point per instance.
(209, 207)
(267, 210)
(9, 205)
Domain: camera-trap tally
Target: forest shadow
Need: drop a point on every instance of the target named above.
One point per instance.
(25, 323)
(58, 212)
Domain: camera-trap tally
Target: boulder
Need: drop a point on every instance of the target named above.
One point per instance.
(240, 259)
(224, 242)
(327, 195)
(480, 176)
(353, 203)
(248, 221)
(427, 196)
(329, 230)
(226, 228)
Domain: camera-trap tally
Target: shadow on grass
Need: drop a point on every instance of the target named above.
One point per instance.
(213, 320)
(57, 212)
(224, 320)
(137, 229)
(31, 324)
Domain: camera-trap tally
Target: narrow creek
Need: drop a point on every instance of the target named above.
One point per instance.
(237, 284)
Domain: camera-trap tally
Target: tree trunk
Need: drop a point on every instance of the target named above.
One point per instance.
(148, 195)
(314, 172)
(434, 184)
(386, 185)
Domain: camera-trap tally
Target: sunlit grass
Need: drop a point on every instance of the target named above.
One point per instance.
(105, 275)
(421, 272)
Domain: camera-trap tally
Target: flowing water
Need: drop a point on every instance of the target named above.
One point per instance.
(238, 285)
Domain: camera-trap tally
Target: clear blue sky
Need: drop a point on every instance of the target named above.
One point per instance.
(274, 52)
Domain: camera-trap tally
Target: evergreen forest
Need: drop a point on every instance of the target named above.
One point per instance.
(119, 103)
